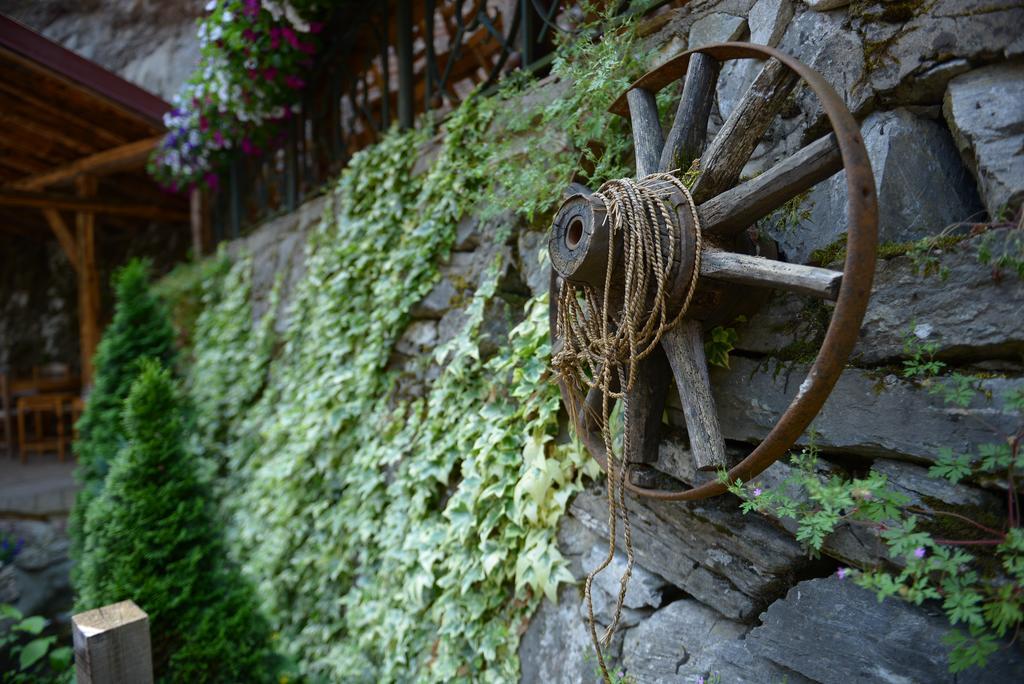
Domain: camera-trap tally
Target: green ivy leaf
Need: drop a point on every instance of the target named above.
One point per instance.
(34, 651)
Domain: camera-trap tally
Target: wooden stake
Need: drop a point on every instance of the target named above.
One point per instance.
(88, 280)
(112, 645)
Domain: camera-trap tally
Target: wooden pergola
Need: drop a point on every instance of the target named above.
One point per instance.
(74, 141)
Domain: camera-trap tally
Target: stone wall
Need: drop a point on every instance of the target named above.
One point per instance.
(939, 88)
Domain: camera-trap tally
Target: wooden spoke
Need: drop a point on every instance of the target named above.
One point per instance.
(689, 131)
(647, 137)
(643, 408)
(736, 209)
(723, 160)
(751, 270)
(684, 346)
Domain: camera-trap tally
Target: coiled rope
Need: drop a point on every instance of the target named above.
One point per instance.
(605, 339)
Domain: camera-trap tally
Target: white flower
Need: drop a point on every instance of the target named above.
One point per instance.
(227, 17)
(212, 5)
(298, 22)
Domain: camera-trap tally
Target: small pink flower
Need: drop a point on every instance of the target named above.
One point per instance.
(218, 138)
(294, 82)
(248, 148)
(290, 36)
(919, 552)
(275, 37)
(270, 73)
(252, 8)
(841, 573)
(249, 35)
(757, 491)
(212, 181)
(203, 124)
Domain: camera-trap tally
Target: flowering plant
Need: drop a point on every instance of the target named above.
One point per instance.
(254, 55)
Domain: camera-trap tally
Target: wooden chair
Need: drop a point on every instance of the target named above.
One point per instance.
(40, 405)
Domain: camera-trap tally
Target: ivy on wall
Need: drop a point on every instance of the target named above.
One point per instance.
(393, 538)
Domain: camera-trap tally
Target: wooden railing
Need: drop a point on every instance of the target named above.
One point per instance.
(381, 63)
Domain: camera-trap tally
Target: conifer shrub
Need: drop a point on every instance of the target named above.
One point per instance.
(140, 328)
(151, 537)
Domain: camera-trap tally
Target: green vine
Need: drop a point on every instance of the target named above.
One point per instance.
(396, 538)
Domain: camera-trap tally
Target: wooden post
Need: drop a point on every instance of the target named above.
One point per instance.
(405, 64)
(200, 213)
(88, 280)
(112, 645)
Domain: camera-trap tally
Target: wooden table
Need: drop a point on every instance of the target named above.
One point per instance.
(13, 388)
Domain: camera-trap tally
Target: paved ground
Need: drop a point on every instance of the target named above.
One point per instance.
(42, 487)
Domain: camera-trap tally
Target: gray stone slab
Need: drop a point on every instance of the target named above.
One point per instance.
(903, 53)
(556, 647)
(921, 182)
(667, 646)
(969, 314)
(835, 632)
(866, 413)
(985, 111)
(733, 562)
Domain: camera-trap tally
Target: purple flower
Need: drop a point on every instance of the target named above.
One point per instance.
(212, 181)
(841, 573)
(252, 8)
(757, 491)
(250, 35)
(294, 82)
(919, 552)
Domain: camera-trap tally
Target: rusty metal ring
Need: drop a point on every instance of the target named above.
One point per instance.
(858, 270)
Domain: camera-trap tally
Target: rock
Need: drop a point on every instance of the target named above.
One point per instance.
(459, 279)
(467, 233)
(908, 44)
(825, 5)
(835, 632)
(925, 490)
(716, 27)
(556, 646)
(575, 541)
(9, 591)
(733, 562)
(419, 337)
(985, 111)
(674, 638)
(534, 263)
(826, 43)
(643, 592)
(438, 301)
(865, 414)
(922, 186)
(768, 20)
(969, 315)
(732, 662)
(853, 544)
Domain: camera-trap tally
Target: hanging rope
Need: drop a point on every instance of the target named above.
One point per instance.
(607, 333)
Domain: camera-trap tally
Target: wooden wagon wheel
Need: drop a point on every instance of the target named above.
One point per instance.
(579, 245)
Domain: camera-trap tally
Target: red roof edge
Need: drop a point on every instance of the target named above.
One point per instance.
(33, 46)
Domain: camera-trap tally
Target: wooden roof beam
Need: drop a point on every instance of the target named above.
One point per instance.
(39, 200)
(124, 158)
